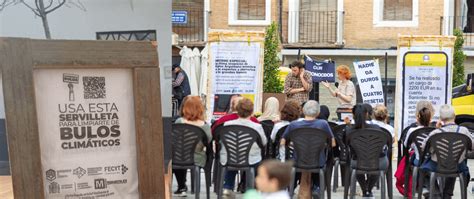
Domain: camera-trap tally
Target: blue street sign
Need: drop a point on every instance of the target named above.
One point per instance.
(179, 17)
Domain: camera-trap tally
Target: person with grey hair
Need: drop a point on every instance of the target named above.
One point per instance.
(311, 112)
(446, 124)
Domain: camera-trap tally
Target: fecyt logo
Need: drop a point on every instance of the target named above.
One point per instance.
(116, 169)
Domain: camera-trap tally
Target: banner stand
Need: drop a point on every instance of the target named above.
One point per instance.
(21, 62)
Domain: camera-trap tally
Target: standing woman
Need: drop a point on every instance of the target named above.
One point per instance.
(345, 92)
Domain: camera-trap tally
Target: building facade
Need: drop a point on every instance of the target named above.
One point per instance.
(340, 30)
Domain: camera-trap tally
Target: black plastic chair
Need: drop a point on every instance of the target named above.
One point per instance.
(185, 138)
(332, 124)
(309, 144)
(402, 139)
(340, 155)
(365, 148)
(276, 143)
(237, 140)
(448, 148)
(389, 175)
(416, 138)
(267, 128)
(216, 155)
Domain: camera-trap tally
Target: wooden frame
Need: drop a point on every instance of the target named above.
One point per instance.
(20, 57)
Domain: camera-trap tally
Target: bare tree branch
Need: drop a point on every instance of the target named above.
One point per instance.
(50, 4)
(55, 8)
(6, 3)
(77, 4)
(31, 8)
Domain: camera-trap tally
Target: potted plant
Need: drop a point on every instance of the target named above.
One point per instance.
(272, 84)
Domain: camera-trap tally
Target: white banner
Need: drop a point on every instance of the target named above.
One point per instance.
(87, 133)
(370, 83)
(235, 69)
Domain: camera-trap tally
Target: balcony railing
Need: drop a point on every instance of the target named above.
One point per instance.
(314, 29)
(191, 30)
(463, 23)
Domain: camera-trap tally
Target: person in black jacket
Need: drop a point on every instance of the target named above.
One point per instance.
(181, 87)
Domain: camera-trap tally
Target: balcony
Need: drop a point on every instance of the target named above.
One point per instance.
(190, 27)
(313, 29)
(464, 23)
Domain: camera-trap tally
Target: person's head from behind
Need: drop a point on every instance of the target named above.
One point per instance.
(343, 72)
(446, 114)
(370, 111)
(272, 106)
(324, 112)
(291, 111)
(193, 110)
(360, 114)
(273, 176)
(424, 112)
(311, 109)
(296, 67)
(380, 113)
(234, 100)
(244, 108)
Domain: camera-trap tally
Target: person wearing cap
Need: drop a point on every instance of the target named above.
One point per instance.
(181, 87)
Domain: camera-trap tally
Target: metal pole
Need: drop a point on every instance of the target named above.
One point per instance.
(386, 80)
(299, 53)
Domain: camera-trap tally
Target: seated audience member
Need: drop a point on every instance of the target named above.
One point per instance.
(446, 124)
(271, 110)
(311, 112)
(272, 180)
(324, 113)
(289, 113)
(244, 110)
(232, 115)
(381, 117)
(192, 112)
(424, 114)
(360, 115)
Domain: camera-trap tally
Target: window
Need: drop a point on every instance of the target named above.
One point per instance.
(397, 10)
(396, 13)
(249, 12)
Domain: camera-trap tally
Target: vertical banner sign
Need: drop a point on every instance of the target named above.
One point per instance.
(87, 133)
(235, 69)
(424, 72)
(370, 83)
(320, 70)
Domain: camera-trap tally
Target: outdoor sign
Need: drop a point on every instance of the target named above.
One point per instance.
(370, 83)
(235, 68)
(81, 117)
(179, 17)
(320, 70)
(87, 133)
(424, 72)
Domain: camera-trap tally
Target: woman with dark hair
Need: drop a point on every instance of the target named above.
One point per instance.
(424, 114)
(290, 112)
(360, 115)
(324, 113)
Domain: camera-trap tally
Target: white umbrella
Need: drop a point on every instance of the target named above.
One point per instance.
(204, 66)
(197, 67)
(187, 66)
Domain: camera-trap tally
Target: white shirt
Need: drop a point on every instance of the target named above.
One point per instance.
(277, 127)
(385, 126)
(255, 155)
(276, 195)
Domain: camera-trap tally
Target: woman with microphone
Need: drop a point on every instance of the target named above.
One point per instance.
(345, 91)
